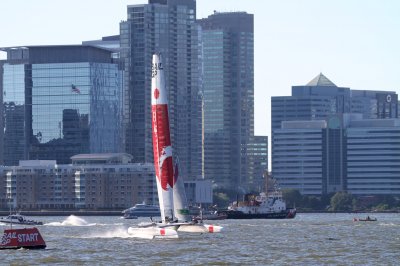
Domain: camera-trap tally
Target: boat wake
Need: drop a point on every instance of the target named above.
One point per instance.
(389, 224)
(72, 220)
(119, 232)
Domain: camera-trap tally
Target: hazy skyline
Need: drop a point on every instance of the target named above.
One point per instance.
(355, 44)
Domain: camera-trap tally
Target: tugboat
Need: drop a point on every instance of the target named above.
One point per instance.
(264, 206)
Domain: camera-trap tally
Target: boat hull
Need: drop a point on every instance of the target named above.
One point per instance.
(19, 219)
(365, 220)
(24, 247)
(20, 223)
(152, 232)
(200, 228)
(289, 214)
(130, 216)
(144, 214)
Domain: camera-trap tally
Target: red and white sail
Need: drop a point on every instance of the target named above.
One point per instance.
(162, 148)
(181, 208)
(170, 187)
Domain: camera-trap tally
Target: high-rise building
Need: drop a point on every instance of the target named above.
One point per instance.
(167, 27)
(228, 91)
(351, 154)
(257, 165)
(327, 158)
(310, 156)
(317, 100)
(59, 101)
(375, 104)
(297, 161)
(3, 187)
(108, 42)
(373, 157)
(321, 98)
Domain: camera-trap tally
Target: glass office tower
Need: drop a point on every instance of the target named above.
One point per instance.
(167, 27)
(13, 91)
(60, 101)
(228, 89)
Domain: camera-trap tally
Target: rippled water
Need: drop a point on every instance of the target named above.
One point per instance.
(309, 239)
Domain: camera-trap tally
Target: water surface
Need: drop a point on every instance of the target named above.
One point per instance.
(309, 239)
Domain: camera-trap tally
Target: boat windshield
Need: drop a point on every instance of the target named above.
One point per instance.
(15, 217)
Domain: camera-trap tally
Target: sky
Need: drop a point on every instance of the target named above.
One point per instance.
(355, 43)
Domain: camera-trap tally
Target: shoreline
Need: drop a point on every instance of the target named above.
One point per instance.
(355, 212)
(65, 213)
(119, 213)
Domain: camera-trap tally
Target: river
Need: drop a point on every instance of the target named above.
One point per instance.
(309, 239)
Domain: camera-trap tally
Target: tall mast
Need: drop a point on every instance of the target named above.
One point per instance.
(162, 147)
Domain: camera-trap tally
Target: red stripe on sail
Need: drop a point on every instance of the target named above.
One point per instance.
(162, 145)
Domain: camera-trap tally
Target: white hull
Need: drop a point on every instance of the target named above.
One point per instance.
(19, 219)
(200, 228)
(170, 230)
(152, 232)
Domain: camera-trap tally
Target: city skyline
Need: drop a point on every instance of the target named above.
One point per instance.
(353, 45)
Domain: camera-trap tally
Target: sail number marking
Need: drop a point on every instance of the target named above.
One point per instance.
(154, 69)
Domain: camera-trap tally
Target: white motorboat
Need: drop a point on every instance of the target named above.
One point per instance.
(142, 210)
(19, 219)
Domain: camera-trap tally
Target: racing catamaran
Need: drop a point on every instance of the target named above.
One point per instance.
(172, 199)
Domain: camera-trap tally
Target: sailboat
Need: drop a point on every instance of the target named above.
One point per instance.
(173, 206)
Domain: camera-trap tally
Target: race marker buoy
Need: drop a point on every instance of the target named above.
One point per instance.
(28, 238)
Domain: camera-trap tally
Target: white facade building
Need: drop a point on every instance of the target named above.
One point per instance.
(92, 182)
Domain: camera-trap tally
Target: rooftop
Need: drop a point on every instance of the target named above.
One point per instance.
(101, 158)
(321, 80)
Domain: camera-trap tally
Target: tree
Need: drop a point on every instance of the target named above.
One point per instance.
(314, 203)
(223, 197)
(382, 207)
(342, 201)
(388, 200)
(292, 197)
